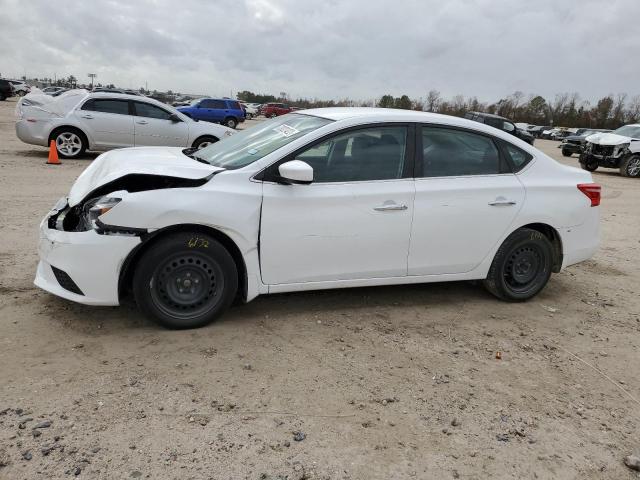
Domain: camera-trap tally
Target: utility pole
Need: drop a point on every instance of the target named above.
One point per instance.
(92, 76)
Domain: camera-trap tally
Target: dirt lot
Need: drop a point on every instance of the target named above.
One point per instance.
(391, 382)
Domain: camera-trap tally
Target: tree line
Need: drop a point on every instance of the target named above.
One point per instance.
(565, 109)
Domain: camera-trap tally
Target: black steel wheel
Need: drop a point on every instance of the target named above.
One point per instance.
(185, 280)
(521, 266)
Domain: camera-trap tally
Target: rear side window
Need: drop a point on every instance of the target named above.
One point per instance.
(518, 157)
(450, 153)
(150, 111)
(120, 107)
(216, 104)
(234, 105)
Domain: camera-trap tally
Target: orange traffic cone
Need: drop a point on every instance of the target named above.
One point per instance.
(53, 154)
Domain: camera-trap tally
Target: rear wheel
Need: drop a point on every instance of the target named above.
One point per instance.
(630, 166)
(185, 280)
(70, 142)
(521, 267)
(231, 122)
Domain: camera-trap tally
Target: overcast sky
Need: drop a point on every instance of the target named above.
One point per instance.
(329, 48)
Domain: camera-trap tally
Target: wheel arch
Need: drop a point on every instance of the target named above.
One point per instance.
(204, 135)
(128, 267)
(554, 237)
(67, 126)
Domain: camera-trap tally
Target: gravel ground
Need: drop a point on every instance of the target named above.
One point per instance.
(367, 383)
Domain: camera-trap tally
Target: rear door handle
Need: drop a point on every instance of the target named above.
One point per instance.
(142, 122)
(87, 116)
(500, 202)
(390, 207)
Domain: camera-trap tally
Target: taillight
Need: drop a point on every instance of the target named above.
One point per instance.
(591, 190)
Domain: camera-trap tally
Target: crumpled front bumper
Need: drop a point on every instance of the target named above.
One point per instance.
(91, 260)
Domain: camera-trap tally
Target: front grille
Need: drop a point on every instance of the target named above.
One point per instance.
(65, 281)
(574, 142)
(606, 150)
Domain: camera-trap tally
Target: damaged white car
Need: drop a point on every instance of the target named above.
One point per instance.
(326, 198)
(618, 149)
(78, 121)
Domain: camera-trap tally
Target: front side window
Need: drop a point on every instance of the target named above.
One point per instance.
(120, 107)
(151, 111)
(250, 145)
(450, 153)
(376, 153)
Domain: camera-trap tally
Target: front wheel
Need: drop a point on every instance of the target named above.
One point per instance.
(185, 280)
(630, 166)
(587, 163)
(203, 142)
(521, 267)
(566, 153)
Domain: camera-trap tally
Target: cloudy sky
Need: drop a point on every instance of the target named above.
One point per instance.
(329, 48)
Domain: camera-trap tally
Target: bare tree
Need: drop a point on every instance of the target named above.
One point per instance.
(433, 101)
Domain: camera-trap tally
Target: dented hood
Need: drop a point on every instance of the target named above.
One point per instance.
(140, 162)
(608, 139)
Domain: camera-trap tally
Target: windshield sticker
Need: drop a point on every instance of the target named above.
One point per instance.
(253, 151)
(286, 130)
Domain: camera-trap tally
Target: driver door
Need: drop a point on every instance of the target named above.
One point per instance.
(353, 221)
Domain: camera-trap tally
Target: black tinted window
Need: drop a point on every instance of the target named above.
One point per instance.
(107, 106)
(218, 104)
(519, 158)
(366, 154)
(150, 111)
(449, 152)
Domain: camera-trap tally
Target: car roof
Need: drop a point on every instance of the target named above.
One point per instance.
(126, 96)
(376, 115)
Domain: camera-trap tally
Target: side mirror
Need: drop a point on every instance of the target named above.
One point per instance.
(296, 172)
(175, 118)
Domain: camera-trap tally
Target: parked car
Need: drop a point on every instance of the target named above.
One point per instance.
(618, 149)
(218, 110)
(575, 143)
(271, 110)
(115, 90)
(537, 130)
(549, 133)
(19, 87)
(6, 89)
(78, 120)
(323, 198)
(54, 90)
(500, 123)
(250, 110)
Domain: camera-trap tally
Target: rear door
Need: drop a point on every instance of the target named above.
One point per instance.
(108, 122)
(153, 127)
(466, 199)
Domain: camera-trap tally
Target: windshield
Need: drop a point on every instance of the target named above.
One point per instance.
(252, 144)
(632, 131)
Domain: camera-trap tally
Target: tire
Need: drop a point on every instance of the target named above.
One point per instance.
(70, 142)
(587, 164)
(181, 261)
(630, 166)
(2, 98)
(521, 267)
(203, 142)
(249, 116)
(566, 153)
(231, 122)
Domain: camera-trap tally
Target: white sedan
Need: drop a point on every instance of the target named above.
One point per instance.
(325, 198)
(78, 121)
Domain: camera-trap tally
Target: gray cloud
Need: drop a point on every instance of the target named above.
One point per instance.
(330, 49)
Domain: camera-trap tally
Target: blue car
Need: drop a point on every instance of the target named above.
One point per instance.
(224, 111)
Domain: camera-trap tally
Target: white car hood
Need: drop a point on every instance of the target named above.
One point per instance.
(160, 161)
(608, 139)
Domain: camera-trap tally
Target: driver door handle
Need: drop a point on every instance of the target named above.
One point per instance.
(87, 116)
(390, 207)
(142, 122)
(502, 202)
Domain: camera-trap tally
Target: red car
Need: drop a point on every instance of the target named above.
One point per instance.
(271, 110)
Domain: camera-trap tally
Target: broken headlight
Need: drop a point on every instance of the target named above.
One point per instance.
(96, 207)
